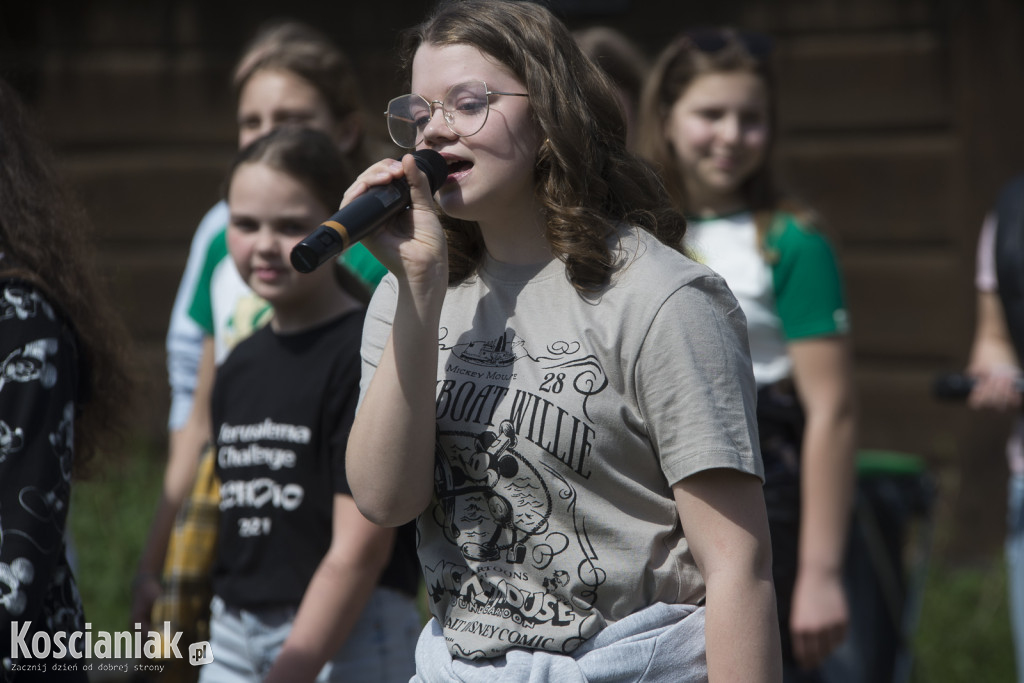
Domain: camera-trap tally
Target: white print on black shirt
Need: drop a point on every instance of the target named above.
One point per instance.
(29, 364)
(11, 440)
(21, 303)
(499, 481)
(267, 430)
(260, 492)
(35, 513)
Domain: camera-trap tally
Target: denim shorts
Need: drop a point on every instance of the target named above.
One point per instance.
(380, 648)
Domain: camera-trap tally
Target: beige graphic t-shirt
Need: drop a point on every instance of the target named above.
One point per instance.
(562, 422)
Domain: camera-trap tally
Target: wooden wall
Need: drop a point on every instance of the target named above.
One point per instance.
(899, 119)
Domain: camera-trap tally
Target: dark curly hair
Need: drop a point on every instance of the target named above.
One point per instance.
(44, 239)
(587, 181)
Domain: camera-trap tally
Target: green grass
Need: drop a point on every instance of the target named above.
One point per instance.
(963, 635)
(109, 519)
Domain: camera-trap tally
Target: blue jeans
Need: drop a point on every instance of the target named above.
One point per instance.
(380, 648)
(1015, 566)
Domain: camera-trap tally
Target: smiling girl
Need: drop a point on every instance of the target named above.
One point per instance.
(707, 124)
(290, 74)
(559, 397)
(305, 587)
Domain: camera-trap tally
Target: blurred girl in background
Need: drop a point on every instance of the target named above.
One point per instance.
(304, 586)
(63, 387)
(290, 74)
(708, 126)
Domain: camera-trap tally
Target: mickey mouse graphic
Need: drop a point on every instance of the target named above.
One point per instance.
(492, 498)
(21, 303)
(30, 363)
(13, 577)
(11, 440)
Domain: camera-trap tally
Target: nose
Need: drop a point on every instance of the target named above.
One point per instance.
(266, 241)
(730, 128)
(437, 126)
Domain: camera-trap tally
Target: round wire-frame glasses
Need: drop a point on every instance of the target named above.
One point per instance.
(464, 107)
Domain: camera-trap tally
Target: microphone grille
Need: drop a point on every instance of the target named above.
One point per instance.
(433, 165)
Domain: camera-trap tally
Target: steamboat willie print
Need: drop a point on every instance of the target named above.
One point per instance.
(513, 438)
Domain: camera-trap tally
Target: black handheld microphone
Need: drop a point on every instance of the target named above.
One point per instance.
(956, 386)
(364, 215)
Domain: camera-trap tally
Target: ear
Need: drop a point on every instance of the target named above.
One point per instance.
(348, 132)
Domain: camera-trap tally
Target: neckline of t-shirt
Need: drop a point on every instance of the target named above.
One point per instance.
(319, 327)
(513, 273)
(516, 273)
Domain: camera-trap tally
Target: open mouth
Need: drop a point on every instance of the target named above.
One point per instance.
(457, 166)
(267, 273)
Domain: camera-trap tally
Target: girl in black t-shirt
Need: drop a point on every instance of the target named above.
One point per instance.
(305, 587)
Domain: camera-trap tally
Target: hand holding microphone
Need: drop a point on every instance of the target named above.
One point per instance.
(955, 386)
(364, 214)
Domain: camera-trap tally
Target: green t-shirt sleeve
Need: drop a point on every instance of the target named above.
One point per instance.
(201, 308)
(808, 285)
(363, 265)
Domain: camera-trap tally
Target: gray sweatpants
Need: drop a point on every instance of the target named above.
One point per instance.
(661, 643)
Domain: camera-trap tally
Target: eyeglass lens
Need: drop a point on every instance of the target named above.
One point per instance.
(464, 109)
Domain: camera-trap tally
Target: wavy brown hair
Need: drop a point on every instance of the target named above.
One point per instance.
(44, 240)
(677, 67)
(288, 45)
(623, 62)
(587, 181)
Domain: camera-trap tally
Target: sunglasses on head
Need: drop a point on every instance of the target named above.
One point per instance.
(711, 40)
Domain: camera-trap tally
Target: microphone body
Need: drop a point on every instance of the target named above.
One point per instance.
(955, 386)
(364, 215)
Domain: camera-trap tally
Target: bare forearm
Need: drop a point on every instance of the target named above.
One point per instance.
(724, 518)
(182, 464)
(185, 449)
(819, 612)
(391, 447)
(331, 606)
(827, 487)
(155, 549)
(824, 378)
(337, 594)
(992, 348)
(741, 630)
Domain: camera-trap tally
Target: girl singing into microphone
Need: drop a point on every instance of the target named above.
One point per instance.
(561, 399)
